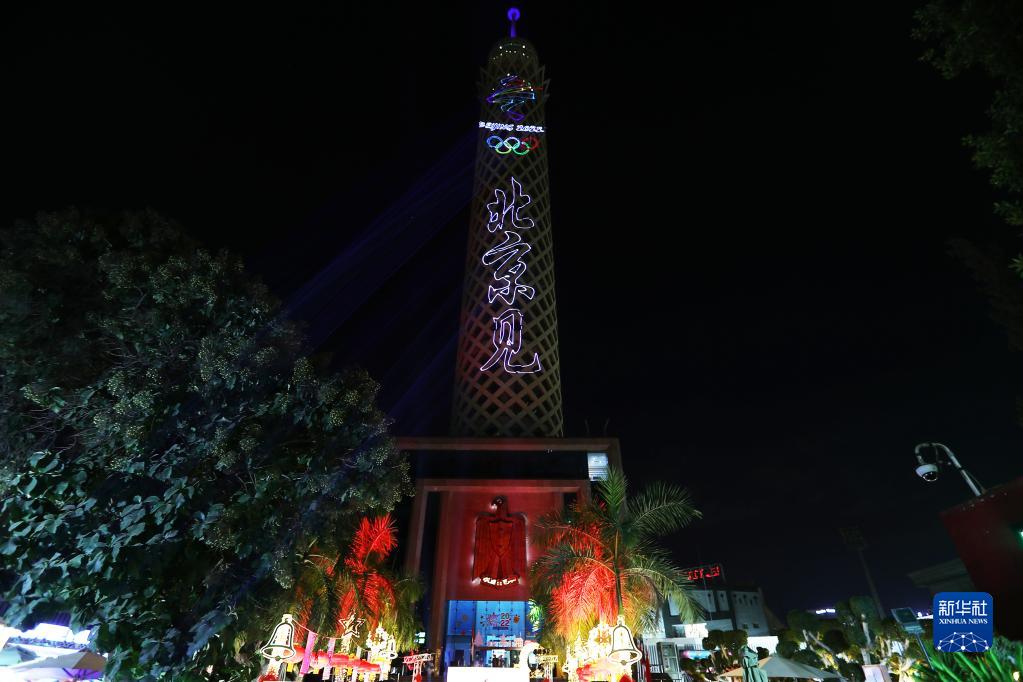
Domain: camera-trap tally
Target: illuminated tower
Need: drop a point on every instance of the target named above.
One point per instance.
(508, 373)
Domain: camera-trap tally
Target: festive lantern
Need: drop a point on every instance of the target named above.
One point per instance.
(623, 647)
(282, 642)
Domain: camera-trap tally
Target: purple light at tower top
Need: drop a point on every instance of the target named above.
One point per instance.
(513, 16)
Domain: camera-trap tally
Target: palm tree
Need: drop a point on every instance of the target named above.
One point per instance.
(600, 558)
(358, 583)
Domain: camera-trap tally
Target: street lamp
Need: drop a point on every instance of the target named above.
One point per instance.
(929, 470)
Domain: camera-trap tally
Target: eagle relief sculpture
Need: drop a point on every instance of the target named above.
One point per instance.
(500, 555)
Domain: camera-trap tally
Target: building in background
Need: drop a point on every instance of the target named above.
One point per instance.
(726, 607)
(948, 576)
(988, 535)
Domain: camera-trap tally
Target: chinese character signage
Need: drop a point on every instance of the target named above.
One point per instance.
(963, 621)
(508, 266)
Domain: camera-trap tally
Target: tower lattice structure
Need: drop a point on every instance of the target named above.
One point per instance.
(508, 371)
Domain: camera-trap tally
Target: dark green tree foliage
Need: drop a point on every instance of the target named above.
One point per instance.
(808, 657)
(852, 615)
(986, 35)
(727, 644)
(836, 641)
(170, 458)
(787, 648)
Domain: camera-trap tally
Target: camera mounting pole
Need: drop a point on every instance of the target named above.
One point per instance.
(951, 461)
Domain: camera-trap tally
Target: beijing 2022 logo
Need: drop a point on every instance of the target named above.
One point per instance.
(963, 622)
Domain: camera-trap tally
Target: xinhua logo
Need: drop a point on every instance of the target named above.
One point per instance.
(963, 621)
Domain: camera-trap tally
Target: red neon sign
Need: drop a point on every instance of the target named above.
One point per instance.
(705, 572)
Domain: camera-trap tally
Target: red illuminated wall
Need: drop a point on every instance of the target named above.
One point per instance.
(458, 529)
(986, 533)
(461, 505)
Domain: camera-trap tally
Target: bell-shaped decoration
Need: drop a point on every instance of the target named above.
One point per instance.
(282, 642)
(623, 647)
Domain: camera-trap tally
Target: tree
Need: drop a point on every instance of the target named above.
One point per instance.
(985, 36)
(856, 636)
(726, 645)
(826, 644)
(170, 457)
(807, 628)
(599, 558)
(860, 623)
(359, 583)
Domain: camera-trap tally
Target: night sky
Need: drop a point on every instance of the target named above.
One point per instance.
(751, 214)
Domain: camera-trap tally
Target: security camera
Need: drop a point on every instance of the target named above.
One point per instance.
(928, 472)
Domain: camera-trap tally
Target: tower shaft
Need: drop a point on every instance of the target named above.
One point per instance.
(508, 370)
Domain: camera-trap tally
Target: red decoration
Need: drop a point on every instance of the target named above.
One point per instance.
(373, 541)
(500, 555)
(586, 590)
(704, 572)
(625, 678)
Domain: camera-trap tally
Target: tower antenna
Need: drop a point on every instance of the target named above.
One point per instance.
(513, 16)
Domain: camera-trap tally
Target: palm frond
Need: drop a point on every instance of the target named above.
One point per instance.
(606, 543)
(669, 582)
(661, 509)
(612, 491)
(576, 532)
(374, 539)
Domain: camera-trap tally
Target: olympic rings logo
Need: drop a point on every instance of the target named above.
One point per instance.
(513, 145)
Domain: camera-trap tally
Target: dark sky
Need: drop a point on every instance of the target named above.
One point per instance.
(751, 210)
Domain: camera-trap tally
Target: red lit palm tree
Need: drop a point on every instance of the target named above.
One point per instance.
(600, 558)
(360, 583)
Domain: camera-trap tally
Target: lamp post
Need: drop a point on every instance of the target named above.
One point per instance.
(854, 539)
(929, 470)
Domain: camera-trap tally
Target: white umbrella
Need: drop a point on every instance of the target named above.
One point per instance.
(13, 654)
(776, 666)
(79, 665)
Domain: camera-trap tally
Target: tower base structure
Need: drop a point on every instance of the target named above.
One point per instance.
(471, 534)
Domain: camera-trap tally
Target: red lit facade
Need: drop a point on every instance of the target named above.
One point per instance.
(447, 511)
(988, 535)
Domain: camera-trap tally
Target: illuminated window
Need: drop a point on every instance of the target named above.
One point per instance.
(597, 464)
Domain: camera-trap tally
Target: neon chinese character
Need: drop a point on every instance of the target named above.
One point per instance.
(507, 342)
(510, 251)
(501, 207)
